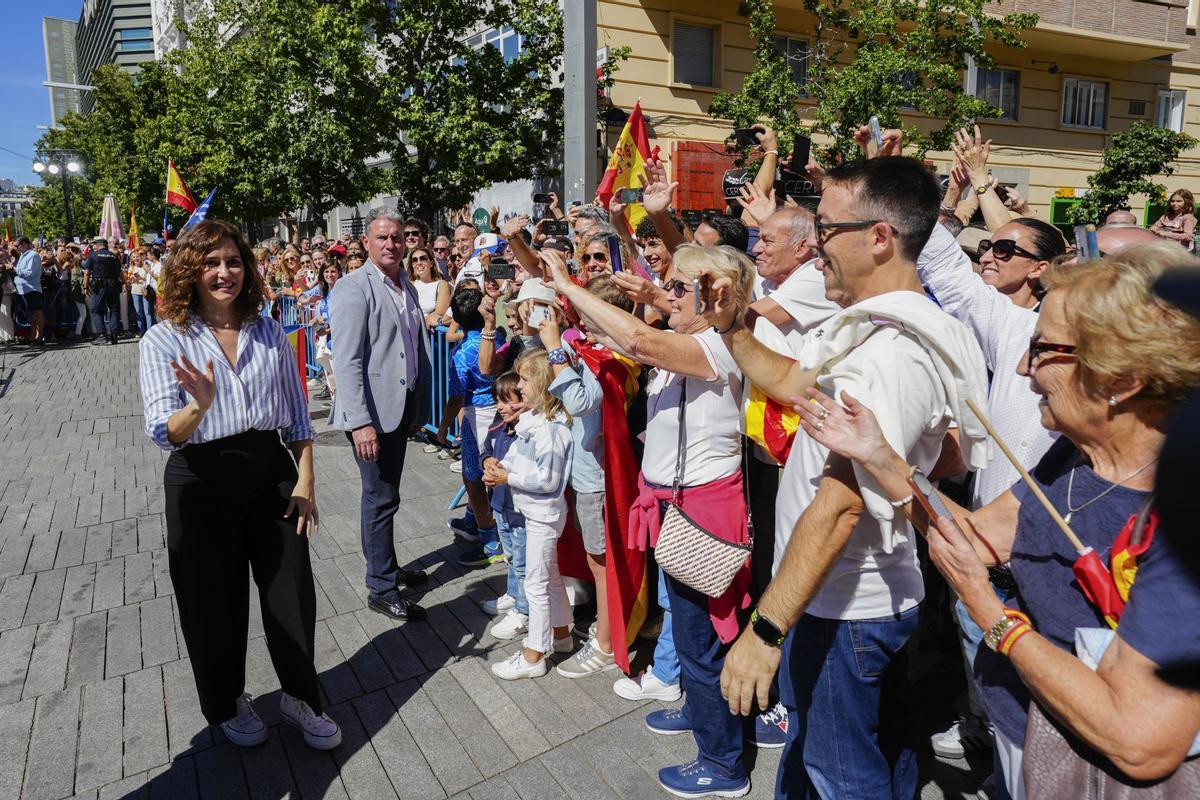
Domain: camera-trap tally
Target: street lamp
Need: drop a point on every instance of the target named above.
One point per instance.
(62, 162)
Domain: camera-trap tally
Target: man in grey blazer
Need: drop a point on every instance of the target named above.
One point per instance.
(383, 373)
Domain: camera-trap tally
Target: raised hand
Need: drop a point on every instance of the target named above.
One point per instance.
(720, 310)
(202, 386)
(758, 204)
(513, 227)
(636, 287)
(893, 142)
(555, 267)
(850, 430)
(656, 197)
(972, 152)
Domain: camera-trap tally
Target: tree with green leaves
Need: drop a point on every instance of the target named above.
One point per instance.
(472, 114)
(875, 58)
(1135, 156)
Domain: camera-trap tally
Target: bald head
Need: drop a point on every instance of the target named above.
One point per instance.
(1114, 239)
(1121, 218)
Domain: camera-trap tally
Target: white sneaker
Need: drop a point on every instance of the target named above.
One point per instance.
(963, 736)
(647, 686)
(564, 645)
(517, 667)
(513, 625)
(498, 606)
(588, 661)
(247, 728)
(456, 466)
(320, 732)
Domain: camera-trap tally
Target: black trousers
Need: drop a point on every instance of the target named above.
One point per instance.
(763, 483)
(225, 502)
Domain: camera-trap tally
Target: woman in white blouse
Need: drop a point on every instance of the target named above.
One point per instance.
(433, 292)
(219, 385)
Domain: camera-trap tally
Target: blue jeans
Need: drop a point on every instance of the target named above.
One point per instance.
(144, 308)
(512, 539)
(718, 733)
(380, 502)
(971, 636)
(847, 680)
(666, 660)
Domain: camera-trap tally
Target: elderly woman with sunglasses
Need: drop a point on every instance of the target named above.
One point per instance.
(697, 386)
(1109, 362)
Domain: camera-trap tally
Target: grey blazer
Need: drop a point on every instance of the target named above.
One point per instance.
(366, 330)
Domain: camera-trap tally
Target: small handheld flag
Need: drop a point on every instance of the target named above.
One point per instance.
(201, 211)
(178, 193)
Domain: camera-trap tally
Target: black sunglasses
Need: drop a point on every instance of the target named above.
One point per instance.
(677, 288)
(419, 259)
(1004, 249)
(586, 257)
(1036, 348)
(412, 233)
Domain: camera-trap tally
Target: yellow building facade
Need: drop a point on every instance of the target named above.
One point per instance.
(1092, 69)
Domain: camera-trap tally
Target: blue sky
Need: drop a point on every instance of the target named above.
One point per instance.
(22, 69)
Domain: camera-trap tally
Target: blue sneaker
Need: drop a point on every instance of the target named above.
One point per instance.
(464, 529)
(698, 779)
(668, 721)
(481, 557)
(770, 729)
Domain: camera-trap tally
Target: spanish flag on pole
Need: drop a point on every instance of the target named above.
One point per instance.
(135, 236)
(627, 167)
(178, 193)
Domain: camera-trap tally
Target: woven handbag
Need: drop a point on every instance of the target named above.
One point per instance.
(685, 550)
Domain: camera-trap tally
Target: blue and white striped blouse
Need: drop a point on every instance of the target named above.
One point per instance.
(263, 392)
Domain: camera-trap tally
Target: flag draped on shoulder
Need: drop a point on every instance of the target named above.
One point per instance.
(201, 211)
(625, 566)
(178, 193)
(627, 167)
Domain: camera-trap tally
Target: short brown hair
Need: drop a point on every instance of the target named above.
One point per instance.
(506, 385)
(1123, 329)
(605, 288)
(180, 298)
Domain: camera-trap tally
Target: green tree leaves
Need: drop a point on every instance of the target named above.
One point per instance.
(1135, 156)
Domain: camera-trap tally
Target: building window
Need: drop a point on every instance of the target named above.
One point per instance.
(1172, 106)
(694, 48)
(134, 33)
(1000, 88)
(795, 51)
(1085, 103)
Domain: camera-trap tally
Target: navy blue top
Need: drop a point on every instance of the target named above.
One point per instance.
(1162, 618)
(500, 437)
(1041, 565)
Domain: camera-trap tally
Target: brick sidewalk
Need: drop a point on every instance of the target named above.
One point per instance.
(96, 693)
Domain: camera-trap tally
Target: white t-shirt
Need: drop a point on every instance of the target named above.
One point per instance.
(802, 296)
(713, 421)
(867, 582)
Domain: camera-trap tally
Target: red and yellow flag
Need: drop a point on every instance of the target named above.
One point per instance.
(178, 193)
(771, 424)
(135, 236)
(627, 167)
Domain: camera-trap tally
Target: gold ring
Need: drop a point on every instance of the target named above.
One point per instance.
(820, 424)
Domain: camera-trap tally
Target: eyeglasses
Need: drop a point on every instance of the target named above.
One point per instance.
(1037, 348)
(677, 288)
(412, 234)
(1004, 249)
(441, 249)
(825, 230)
(598, 257)
(420, 259)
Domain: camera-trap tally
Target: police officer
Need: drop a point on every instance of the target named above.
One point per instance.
(103, 267)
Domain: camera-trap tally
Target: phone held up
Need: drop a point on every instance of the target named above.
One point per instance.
(541, 197)
(555, 227)
(876, 132)
(801, 150)
(614, 253)
(746, 137)
(501, 271)
(928, 497)
(632, 195)
(537, 315)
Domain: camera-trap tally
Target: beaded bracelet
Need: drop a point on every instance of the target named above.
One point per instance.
(1010, 638)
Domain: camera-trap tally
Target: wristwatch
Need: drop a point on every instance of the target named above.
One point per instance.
(558, 356)
(995, 634)
(766, 630)
(982, 188)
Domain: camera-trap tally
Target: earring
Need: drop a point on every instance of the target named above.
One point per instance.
(1112, 400)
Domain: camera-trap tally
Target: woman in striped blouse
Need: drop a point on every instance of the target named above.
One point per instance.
(219, 385)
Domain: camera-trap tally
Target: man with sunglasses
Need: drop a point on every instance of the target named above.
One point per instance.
(441, 256)
(847, 588)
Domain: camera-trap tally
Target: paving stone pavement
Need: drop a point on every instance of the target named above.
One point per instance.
(96, 693)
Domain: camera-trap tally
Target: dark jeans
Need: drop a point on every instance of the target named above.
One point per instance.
(846, 680)
(381, 501)
(224, 507)
(718, 733)
(106, 303)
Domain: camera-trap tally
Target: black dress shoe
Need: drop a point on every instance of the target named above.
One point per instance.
(400, 608)
(413, 577)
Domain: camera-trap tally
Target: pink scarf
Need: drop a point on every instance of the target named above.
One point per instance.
(720, 508)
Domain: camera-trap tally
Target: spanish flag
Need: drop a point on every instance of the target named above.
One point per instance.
(771, 424)
(625, 568)
(135, 236)
(1109, 591)
(178, 193)
(627, 167)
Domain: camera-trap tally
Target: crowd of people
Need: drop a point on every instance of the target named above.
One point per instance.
(752, 438)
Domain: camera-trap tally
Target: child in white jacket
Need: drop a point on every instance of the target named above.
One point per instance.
(537, 469)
